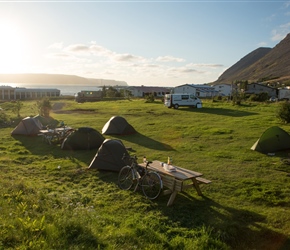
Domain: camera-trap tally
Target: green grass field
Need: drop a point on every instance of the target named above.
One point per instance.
(50, 200)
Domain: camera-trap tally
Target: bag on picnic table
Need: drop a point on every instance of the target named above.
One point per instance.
(168, 167)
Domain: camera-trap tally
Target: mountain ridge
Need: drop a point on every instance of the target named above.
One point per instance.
(56, 79)
(262, 64)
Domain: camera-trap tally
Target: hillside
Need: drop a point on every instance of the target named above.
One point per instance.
(261, 64)
(55, 79)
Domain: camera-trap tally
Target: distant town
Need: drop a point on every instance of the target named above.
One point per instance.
(199, 90)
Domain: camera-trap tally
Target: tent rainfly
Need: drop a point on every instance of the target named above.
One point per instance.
(109, 156)
(272, 140)
(45, 121)
(118, 125)
(84, 138)
(27, 126)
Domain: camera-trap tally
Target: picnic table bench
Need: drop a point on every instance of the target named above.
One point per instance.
(177, 181)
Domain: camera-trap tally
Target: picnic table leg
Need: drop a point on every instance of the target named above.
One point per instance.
(196, 185)
(172, 197)
(47, 139)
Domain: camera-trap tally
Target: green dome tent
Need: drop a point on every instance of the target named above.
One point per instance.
(109, 156)
(27, 126)
(46, 121)
(83, 139)
(118, 125)
(272, 140)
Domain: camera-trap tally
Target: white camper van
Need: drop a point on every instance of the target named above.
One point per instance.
(177, 100)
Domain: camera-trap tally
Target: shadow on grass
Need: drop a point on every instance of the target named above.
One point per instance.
(36, 146)
(219, 111)
(145, 141)
(239, 228)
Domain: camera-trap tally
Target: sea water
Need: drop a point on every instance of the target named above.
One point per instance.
(64, 89)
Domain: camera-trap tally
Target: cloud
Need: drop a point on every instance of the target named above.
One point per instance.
(262, 44)
(188, 70)
(287, 4)
(77, 48)
(125, 57)
(100, 50)
(280, 33)
(95, 50)
(92, 59)
(56, 46)
(169, 59)
(59, 55)
(206, 65)
(182, 70)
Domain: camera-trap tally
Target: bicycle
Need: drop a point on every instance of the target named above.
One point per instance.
(134, 176)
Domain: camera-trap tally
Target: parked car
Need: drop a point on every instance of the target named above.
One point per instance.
(177, 100)
(273, 99)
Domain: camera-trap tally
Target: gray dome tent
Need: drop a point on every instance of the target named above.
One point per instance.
(45, 121)
(83, 139)
(118, 125)
(27, 126)
(272, 140)
(109, 156)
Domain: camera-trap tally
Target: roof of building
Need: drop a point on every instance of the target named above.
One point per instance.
(262, 85)
(200, 87)
(195, 85)
(6, 87)
(150, 89)
(35, 90)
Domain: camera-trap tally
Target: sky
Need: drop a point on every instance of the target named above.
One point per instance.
(151, 43)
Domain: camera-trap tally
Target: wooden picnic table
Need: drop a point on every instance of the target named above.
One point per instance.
(177, 181)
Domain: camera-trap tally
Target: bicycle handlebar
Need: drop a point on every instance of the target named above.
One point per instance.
(134, 158)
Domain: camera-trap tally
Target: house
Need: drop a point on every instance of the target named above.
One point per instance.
(223, 89)
(257, 88)
(141, 91)
(11, 93)
(200, 90)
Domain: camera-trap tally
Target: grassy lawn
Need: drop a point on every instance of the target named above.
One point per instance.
(50, 200)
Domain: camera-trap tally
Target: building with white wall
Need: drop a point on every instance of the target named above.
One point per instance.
(11, 93)
(141, 91)
(200, 90)
(223, 89)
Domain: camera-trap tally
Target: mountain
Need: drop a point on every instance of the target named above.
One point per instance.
(262, 64)
(55, 79)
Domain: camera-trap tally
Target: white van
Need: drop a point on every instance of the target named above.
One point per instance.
(177, 100)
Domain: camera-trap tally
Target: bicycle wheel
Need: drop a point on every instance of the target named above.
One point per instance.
(151, 185)
(125, 179)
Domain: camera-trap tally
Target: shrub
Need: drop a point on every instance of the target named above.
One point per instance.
(150, 98)
(17, 107)
(261, 97)
(253, 98)
(4, 119)
(44, 107)
(284, 112)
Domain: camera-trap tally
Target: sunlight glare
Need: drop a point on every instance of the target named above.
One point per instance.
(13, 51)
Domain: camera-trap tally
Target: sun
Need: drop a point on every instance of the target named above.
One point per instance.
(13, 53)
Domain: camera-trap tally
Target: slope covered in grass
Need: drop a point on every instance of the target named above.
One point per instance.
(50, 200)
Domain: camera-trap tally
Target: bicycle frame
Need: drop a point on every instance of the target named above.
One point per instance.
(150, 182)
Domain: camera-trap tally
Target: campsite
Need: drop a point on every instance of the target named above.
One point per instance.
(52, 199)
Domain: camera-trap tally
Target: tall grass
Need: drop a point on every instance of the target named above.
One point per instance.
(50, 200)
